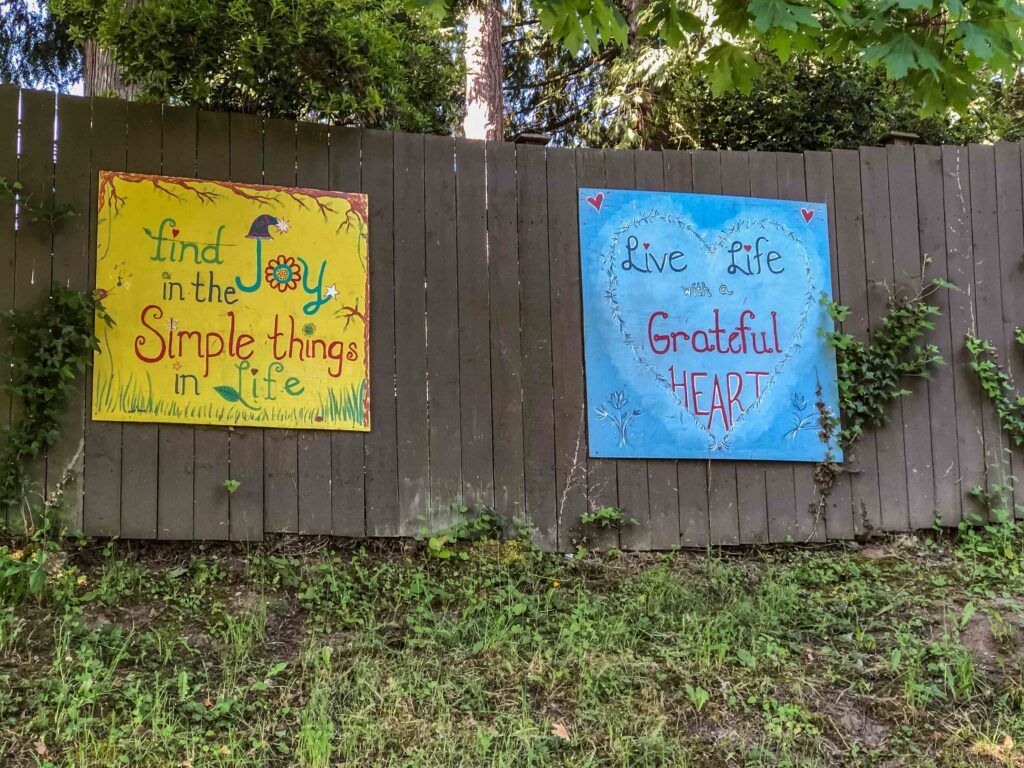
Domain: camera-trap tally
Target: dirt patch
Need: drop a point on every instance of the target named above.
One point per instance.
(852, 721)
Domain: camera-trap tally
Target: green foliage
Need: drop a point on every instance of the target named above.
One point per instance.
(469, 526)
(13, 192)
(314, 653)
(52, 346)
(358, 62)
(35, 49)
(940, 52)
(606, 517)
(870, 373)
(232, 485)
(997, 385)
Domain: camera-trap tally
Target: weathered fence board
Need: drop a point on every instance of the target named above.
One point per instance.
(314, 447)
(176, 471)
(348, 499)
(478, 380)
(245, 448)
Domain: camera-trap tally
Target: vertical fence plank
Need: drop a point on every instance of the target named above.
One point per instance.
(691, 476)
(10, 98)
(602, 474)
(245, 505)
(862, 459)
(34, 240)
(71, 269)
(834, 513)
(9, 101)
(627, 476)
(906, 250)
(381, 458)
(102, 512)
(314, 446)
(874, 170)
(1011, 248)
(348, 502)
(662, 476)
(793, 186)
(566, 346)
(776, 479)
(956, 189)
(506, 350)
(140, 443)
(280, 446)
(176, 471)
(535, 308)
(445, 445)
(410, 333)
(212, 507)
(751, 493)
(474, 325)
(988, 296)
(941, 388)
(722, 493)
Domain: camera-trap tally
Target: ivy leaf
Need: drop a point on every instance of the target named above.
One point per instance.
(230, 394)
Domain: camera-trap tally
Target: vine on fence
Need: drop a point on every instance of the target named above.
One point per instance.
(997, 384)
(52, 345)
(870, 373)
(13, 193)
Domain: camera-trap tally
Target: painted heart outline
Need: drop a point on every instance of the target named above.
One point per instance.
(743, 229)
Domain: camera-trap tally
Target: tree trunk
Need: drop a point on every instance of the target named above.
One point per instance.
(485, 104)
(103, 76)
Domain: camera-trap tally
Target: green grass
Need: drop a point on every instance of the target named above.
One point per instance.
(320, 653)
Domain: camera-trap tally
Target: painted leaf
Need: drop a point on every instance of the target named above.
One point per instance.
(228, 393)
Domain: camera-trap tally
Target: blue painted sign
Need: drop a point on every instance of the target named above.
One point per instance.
(704, 326)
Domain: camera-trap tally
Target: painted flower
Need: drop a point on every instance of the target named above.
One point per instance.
(283, 273)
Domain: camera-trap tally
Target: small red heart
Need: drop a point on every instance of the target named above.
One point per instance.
(596, 200)
(254, 371)
(647, 245)
(746, 247)
(808, 215)
(174, 233)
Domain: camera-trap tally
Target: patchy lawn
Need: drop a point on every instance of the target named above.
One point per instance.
(317, 653)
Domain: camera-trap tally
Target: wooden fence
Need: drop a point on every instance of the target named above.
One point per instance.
(477, 358)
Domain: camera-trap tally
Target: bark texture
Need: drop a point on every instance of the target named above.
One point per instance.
(103, 76)
(485, 104)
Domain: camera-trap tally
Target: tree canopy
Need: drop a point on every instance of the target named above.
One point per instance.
(35, 48)
(941, 52)
(365, 62)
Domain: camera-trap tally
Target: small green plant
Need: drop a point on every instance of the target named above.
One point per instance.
(13, 192)
(606, 517)
(698, 696)
(870, 373)
(51, 346)
(232, 485)
(997, 384)
(469, 527)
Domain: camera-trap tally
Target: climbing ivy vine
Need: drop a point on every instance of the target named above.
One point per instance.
(871, 373)
(51, 346)
(47, 347)
(998, 385)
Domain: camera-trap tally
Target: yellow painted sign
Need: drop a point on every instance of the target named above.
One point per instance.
(234, 304)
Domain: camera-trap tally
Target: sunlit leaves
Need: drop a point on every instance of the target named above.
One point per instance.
(575, 22)
(730, 67)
